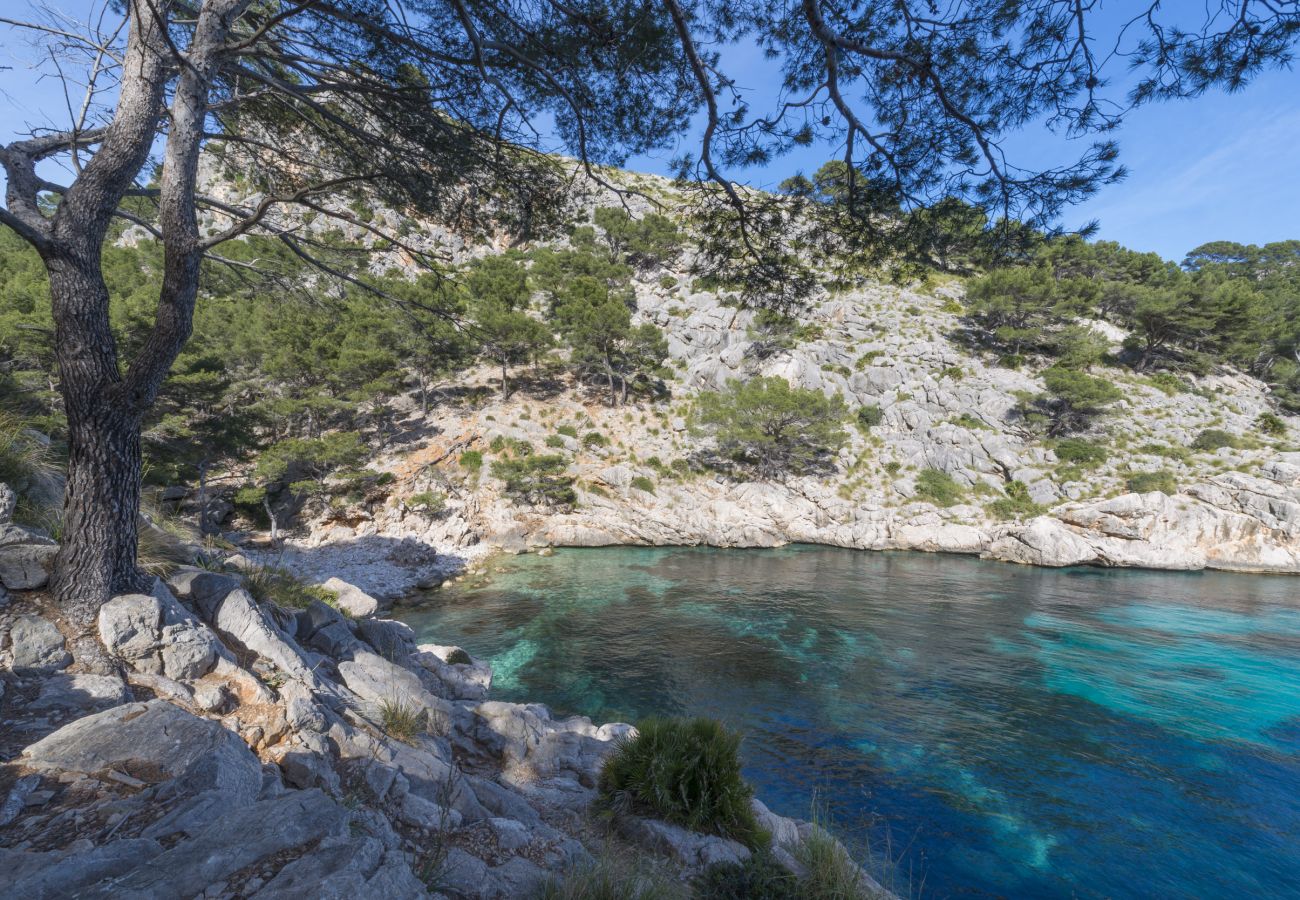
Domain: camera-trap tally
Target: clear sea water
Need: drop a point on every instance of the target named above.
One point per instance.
(997, 730)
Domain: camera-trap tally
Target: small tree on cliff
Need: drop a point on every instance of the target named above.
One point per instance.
(770, 428)
(432, 105)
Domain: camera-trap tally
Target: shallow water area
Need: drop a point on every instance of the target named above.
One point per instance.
(998, 730)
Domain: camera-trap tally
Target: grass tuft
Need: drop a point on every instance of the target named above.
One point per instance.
(687, 772)
(401, 720)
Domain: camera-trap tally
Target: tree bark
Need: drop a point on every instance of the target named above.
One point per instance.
(97, 553)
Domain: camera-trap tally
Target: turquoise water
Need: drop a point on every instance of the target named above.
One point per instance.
(998, 730)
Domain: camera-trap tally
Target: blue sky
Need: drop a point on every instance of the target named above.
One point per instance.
(1219, 167)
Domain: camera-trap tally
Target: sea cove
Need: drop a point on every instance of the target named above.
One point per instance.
(998, 730)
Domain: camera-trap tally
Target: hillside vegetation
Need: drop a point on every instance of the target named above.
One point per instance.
(592, 370)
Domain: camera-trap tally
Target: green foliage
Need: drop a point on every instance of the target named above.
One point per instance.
(273, 584)
(647, 241)
(869, 416)
(1215, 439)
(1271, 425)
(1072, 401)
(1016, 504)
(938, 487)
(760, 877)
(831, 872)
(498, 300)
(554, 441)
(539, 480)
(686, 772)
(642, 483)
(471, 461)
(1169, 383)
(309, 461)
(431, 503)
(1080, 451)
(401, 720)
(1145, 482)
(594, 439)
(567, 431)
(767, 426)
(24, 457)
(458, 657)
(613, 878)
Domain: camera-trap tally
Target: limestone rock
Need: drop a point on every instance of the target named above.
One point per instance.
(81, 692)
(153, 742)
(351, 598)
(25, 558)
(237, 840)
(65, 873)
(37, 646)
(693, 851)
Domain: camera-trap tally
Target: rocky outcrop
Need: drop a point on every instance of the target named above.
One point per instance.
(258, 752)
(25, 558)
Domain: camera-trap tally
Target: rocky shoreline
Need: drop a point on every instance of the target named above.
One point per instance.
(228, 748)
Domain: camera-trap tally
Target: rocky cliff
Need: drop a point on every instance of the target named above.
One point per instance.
(943, 406)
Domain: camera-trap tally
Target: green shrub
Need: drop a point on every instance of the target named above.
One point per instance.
(1215, 439)
(869, 416)
(938, 487)
(1271, 425)
(540, 480)
(684, 771)
(767, 426)
(867, 359)
(968, 421)
(760, 877)
(594, 439)
(471, 460)
(1145, 482)
(434, 502)
(498, 443)
(1081, 452)
(458, 657)
(1016, 504)
(642, 483)
(567, 431)
(1169, 383)
(554, 440)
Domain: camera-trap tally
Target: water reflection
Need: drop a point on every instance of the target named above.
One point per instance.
(1017, 732)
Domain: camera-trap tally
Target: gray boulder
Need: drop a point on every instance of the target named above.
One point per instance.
(158, 636)
(153, 742)
(343, 868)
(377, 681)
(88, 692)
(239, 839)
(693, 851)
(37, 646)
(237, 617)
(391, 640)
(63, 873)
(351, 598)
(25, 558)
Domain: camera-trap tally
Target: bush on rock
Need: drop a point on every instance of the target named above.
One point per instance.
(686, 772)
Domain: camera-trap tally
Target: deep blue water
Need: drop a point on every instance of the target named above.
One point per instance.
(997, 730)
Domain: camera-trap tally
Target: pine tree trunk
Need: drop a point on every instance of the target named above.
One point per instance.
(97, 553)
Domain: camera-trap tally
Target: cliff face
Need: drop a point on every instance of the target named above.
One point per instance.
(943, 407)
